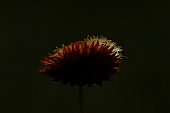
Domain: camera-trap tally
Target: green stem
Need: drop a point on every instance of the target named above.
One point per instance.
(81, 98)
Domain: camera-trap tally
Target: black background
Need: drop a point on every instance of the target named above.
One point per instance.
(31, 29)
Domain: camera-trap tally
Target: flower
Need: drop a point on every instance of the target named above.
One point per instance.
(88, 62)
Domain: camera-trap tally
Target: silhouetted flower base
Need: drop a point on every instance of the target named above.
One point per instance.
(91, 61)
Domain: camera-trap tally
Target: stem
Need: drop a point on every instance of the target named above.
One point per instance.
(81, 98)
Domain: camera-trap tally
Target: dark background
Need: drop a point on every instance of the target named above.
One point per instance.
(31, 29)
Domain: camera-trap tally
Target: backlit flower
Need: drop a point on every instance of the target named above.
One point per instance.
(92, 61)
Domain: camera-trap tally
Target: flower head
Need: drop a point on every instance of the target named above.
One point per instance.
(91, 61)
